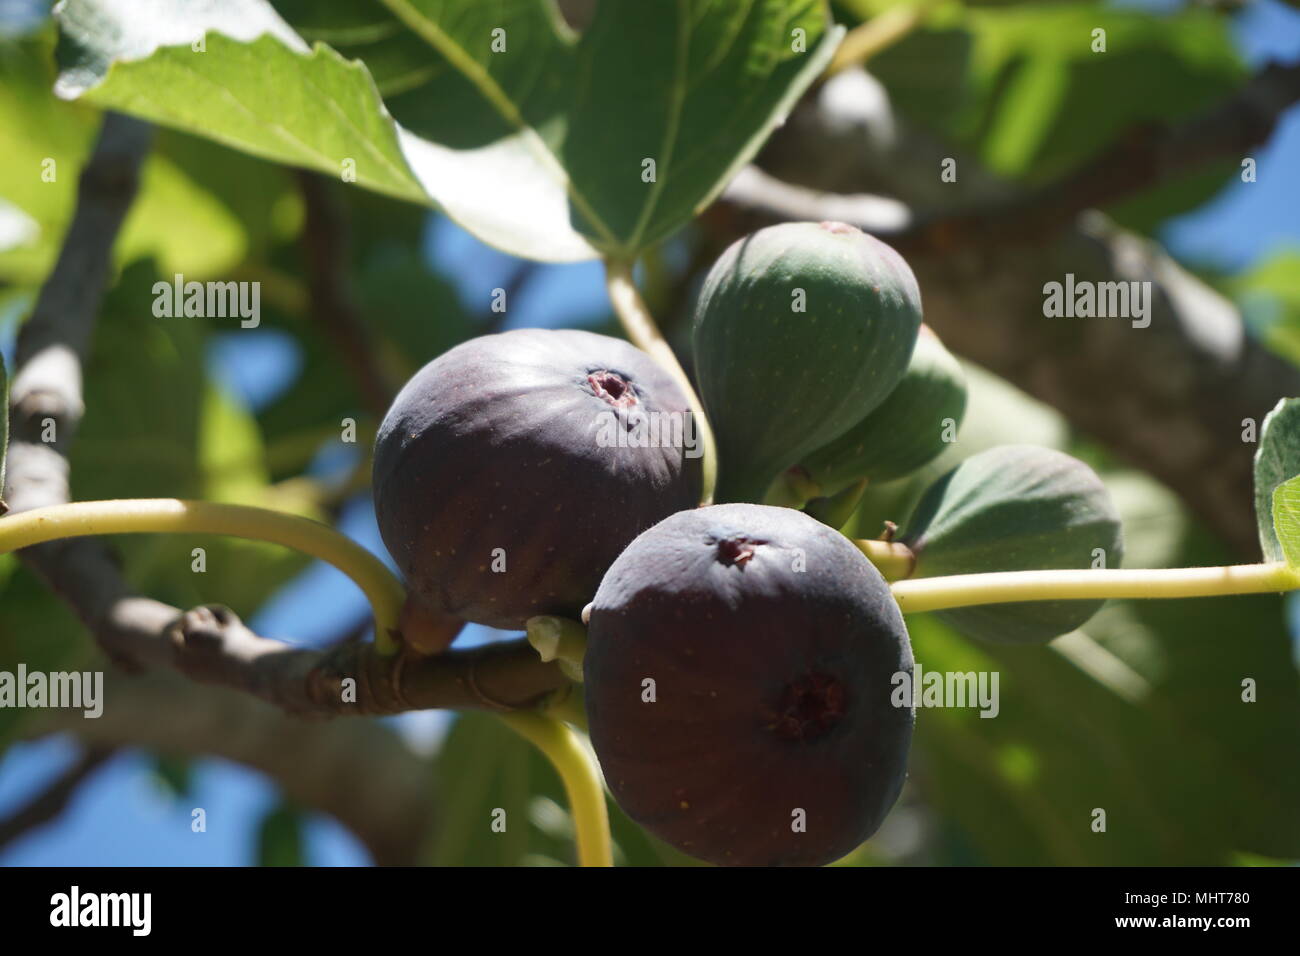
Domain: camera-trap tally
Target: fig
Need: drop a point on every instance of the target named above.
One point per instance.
(1016, 508)
(738, 677)
(800, 331)
(909, 429)
(512, 470)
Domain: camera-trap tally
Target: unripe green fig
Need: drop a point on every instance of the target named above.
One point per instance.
(800, 331)
(512, 470)
(739, 677)
(1016, 508)
(909, 429)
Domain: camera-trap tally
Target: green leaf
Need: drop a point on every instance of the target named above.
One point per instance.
(533, 148)
(1277, 460)
(487, 779)
(46, 142)
(39, 631)
(4, 430)
(1286, 519)
(279, 838)
(175, 774)
(1141, 708)
(155, 427)
(1269, 295)
(1020, 87)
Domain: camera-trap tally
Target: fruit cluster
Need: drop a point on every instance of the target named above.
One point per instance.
(741, 656)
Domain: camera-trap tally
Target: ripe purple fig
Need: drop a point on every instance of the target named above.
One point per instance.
(512, 470)
(739, 671)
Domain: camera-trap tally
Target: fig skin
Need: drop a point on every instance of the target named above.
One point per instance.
(777, 383)
(498, 444)
(1015, 508)
(773, 686)
(906, 431)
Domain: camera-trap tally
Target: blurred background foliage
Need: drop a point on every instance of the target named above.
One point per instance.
(1139, 713)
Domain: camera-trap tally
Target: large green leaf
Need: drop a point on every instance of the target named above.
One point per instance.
(1141, 708)
(1020, 86)
(156, 427)
(1276, 461)
(538, 148)
(43, 144)
(1286, 519)
(4, 428)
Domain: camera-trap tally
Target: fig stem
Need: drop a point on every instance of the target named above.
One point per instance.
(878, 34)
(1001, 587)
(893, 559)
(792, 489)
(559, 639)
(634, 315)
(581, 777)
(174, 516)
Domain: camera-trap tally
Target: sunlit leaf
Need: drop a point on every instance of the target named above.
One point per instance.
(518, 129)
(1276, 461)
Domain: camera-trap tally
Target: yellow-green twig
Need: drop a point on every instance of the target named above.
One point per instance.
(173, 515)
(581, 781)
(635, 317)
(1000, 587)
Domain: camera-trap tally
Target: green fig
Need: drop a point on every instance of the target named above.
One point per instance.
(909, 429)
(801, 329)
(1016, 508)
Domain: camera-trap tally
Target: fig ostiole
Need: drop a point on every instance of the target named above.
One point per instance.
(738, 676)
(800, 330)
(512, 470)
(912, 427)
(1016, 508)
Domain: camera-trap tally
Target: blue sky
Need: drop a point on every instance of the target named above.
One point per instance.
(124, 816)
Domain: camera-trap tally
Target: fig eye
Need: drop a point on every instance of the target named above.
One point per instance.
(736, 551)
(612, 388)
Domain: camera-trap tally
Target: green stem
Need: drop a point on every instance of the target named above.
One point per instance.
(893, 559)
(1001, 587)
(581, 781)
(878, 34)
(561, 640)
(639, 324)
(172, 515)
